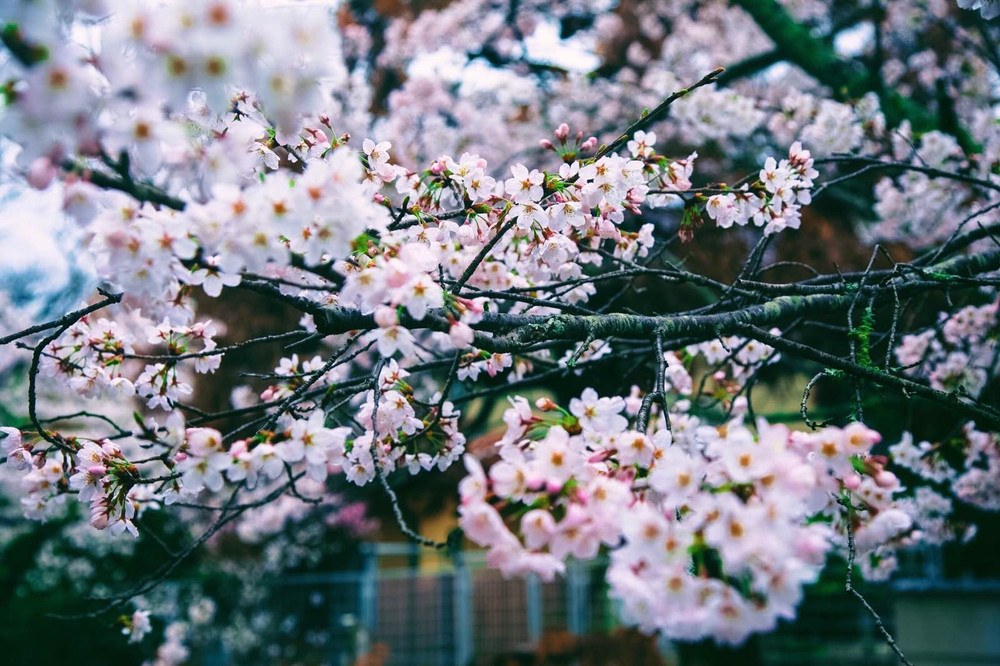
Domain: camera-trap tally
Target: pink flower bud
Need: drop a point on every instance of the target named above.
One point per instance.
(545, 404)
(41, 173)
(386, 317)
(97, 470)
(546, 144)
(238, 448)
(470, 306)
(852, 481)
(553, 487)
(600, 456)
(180, 456)
(886, 479)
(562, 132)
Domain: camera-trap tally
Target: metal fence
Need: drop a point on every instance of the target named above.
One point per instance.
(404, 609)
(458, 611)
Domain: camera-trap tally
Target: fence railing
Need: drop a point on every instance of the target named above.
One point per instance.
(458, 612)
(403, 608)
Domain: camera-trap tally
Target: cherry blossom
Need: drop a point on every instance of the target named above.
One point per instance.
(498, 224)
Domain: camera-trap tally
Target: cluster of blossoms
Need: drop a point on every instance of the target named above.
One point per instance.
(734, 358)
(724, 526)
(291, 374)
(829, 127)
(148, 59)
(161, 384)
(205, 147)
(551, 213)
(330, 212)
(424, 112)
(920, 208)
(194, 460)
(96, 472)
(306, 445)
(106, 480)
(714, 115)
(94, 359)
(395, 437)
(658, 49)
(959, 353)
(969, 465)
(89, 355)
(775, 202)
(159, 256)
(291, 513)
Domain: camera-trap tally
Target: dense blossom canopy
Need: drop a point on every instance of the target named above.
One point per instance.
(438, 207)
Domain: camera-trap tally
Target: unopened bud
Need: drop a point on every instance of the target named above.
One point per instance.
(546, 404)
(885, 479)
(852, 481)
(600, 456)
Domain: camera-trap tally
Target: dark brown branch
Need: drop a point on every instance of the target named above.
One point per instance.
(139, 191)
